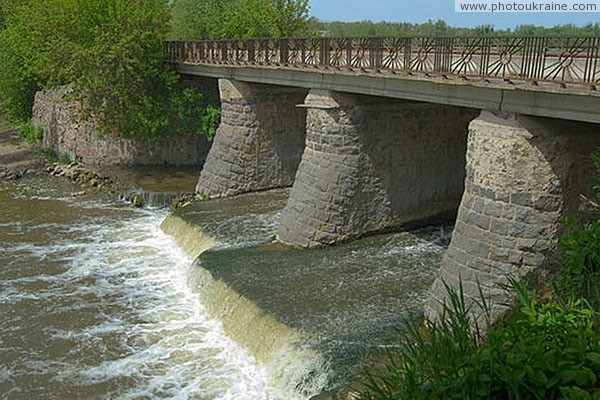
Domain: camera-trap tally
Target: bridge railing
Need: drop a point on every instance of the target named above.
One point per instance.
(536, 59)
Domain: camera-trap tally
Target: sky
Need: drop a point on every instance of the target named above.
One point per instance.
(417, 11)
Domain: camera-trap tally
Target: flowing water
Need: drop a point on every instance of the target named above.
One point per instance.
(94, 304)
(98, 302)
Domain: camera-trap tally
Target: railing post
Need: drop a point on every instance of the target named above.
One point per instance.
(375, 53)
(223, 51)
(592, 65)
(283, 51)
(251, 51)
(325, 50)
(408, 45)
(349, 47)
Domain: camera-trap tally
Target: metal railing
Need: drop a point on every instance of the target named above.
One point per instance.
(534, 59)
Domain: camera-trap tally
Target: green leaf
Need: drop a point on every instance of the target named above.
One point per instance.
(594, 358)
(567, 376)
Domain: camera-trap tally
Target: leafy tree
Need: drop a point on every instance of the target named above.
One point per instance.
(440, 28)
(110, 51)
(229, 19)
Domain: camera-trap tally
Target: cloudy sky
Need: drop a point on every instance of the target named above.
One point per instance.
(423, 10)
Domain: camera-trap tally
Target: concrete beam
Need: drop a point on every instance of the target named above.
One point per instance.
(570, 104)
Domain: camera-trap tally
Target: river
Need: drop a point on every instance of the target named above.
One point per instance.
(98, 302)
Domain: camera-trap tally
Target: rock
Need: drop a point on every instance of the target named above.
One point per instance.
(14, 174)
(137, 200)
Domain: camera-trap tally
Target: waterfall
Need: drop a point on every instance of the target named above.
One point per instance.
(307, 315)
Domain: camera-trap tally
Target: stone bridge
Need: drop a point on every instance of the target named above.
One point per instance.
(376, 134)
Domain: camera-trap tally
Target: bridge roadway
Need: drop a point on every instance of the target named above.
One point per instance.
(544, 76)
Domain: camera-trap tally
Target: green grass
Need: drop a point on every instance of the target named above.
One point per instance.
(30, 133)
(545, 350)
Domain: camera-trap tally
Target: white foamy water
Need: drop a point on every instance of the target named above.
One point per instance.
(94, 304)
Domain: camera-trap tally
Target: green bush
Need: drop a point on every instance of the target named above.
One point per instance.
(110, 51)
(580, 272)
(30, 133)
(544, 351)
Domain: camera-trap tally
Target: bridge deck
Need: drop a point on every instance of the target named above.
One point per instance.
(547, 76)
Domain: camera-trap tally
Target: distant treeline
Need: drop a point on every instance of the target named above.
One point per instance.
(441, 28)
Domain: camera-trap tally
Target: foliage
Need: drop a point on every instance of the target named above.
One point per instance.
(210, 120)
(595, 195)
(111, 51)
(30, 133)
(580, 272)
(440, 28)
(544, 351)
(64, 159)
(228, 19)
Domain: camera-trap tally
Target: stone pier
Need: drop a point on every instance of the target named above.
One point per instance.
(373, 164)
(523, 175)
(259, 142)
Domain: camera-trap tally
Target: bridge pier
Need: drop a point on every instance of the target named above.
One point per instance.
(259, 142)
(373, 164)
(523, 175)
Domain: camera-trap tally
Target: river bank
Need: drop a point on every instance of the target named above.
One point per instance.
(17, 157)
(140, 186)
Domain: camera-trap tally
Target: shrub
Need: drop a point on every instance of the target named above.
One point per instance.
(110, 51)
(580, 272)
(544, 351)
(30, 133)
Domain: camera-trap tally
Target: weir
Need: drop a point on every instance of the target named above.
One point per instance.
(308, 315)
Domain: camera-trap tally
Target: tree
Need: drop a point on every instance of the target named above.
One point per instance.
(230, 19)
(110, 51)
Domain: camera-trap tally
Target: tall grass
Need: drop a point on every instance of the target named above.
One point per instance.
(545, 350)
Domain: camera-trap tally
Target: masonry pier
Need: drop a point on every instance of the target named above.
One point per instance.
(523, 175)
(259, 142)
(373, 164)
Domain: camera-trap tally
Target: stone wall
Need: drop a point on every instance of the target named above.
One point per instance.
(259, 142)
(66, 132)
(374, 164)
(524, 174)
